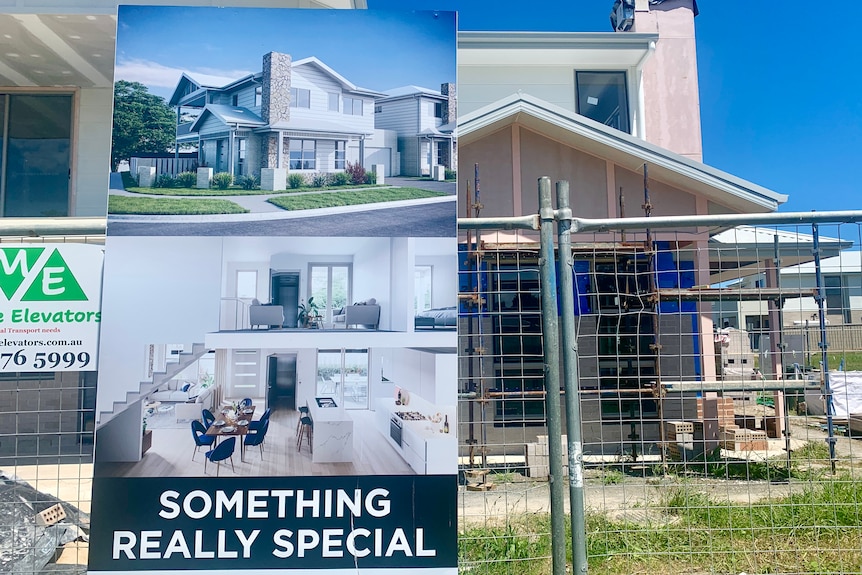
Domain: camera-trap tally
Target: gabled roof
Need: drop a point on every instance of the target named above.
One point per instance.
(623, 149)
(229, 115)
(409, 92)
(345, 83)
(199, 82)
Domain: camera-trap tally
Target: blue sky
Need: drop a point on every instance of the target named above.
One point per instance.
(779, 99)
(780, 102)
(156, 44)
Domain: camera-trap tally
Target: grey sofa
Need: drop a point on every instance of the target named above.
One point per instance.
(265, 315)
(362, 314)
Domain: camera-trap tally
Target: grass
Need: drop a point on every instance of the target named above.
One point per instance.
(852, 360)
(815, 530)
(165, 206)
(232, 191)
(612, 476)
(334, 199)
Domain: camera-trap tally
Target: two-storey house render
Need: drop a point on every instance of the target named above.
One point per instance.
(299, 115)
(425, 121)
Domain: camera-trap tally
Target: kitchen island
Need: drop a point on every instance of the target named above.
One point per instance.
(332, 440)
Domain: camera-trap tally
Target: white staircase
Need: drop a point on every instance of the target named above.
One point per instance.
(176, 363)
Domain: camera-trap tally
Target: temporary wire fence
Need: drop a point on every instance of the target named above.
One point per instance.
(720, 390)
(47, 422)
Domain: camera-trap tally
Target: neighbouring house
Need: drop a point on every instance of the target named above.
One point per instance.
(757, 249)
(592, 109)
(384, 288)
(424, 120)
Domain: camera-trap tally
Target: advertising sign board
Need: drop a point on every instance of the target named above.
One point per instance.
(278, 375)
(49, 307)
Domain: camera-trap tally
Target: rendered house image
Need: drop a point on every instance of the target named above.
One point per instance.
(56, 85)
(304, 116)
(592, 109)
(300, 115)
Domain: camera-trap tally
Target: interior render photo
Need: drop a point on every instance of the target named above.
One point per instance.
(254, 356)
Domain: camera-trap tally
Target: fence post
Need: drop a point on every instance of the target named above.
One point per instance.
(824, 345)
(551, 350)
(571, 379)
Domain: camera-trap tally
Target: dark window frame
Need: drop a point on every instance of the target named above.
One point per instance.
(624, 123)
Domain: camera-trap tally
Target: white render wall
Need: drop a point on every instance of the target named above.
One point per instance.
(92, 155)
(479, 86)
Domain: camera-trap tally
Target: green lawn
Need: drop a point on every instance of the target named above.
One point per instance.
(165, 206)
(233, 191)
(334, 199)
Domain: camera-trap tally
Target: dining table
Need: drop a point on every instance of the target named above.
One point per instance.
(230, 422)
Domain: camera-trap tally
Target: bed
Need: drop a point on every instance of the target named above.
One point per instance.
(442, 317)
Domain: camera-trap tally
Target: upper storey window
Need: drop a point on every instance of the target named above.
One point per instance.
(352, 106)
(602, 97)
(300, 98)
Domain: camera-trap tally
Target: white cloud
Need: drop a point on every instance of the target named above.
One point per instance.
(155, 75)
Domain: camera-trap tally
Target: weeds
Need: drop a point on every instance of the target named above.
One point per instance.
(612, 476)
(816, 530)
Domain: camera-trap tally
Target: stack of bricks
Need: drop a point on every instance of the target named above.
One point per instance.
(738, 439)
(538, 457)
(723, 407)
(679, 436)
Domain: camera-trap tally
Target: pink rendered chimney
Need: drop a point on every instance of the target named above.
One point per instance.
(672, 105)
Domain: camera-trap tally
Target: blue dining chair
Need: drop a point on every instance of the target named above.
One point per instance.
(208, 418)
(257, 438)
(222, 451)
(245, 402)
(257, 424)
(200, 436)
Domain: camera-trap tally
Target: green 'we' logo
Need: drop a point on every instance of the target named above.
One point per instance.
(43, 274)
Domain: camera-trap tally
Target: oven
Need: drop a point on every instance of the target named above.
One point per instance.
(395, 429)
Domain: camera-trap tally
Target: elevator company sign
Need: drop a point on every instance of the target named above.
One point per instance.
(50, 297)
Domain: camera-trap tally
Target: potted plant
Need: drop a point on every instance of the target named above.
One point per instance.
(307, 310)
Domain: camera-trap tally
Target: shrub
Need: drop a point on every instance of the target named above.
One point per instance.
(319, 180)
(187, 180)
(222, 180)
(295, 180)
(450, 174)
(356, 173)
(129, 180)
(370, 178)
(340, 179)
(164, 181)
(249, 182)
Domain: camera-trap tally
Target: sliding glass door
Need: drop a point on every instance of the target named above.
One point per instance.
(330, 285)
(35, 156)
(342, 374)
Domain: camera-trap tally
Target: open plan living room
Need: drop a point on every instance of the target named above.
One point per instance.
(294, 356)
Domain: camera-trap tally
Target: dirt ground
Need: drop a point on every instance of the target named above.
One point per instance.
(629, 495)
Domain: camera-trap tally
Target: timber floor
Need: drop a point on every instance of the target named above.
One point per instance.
(171, 454)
